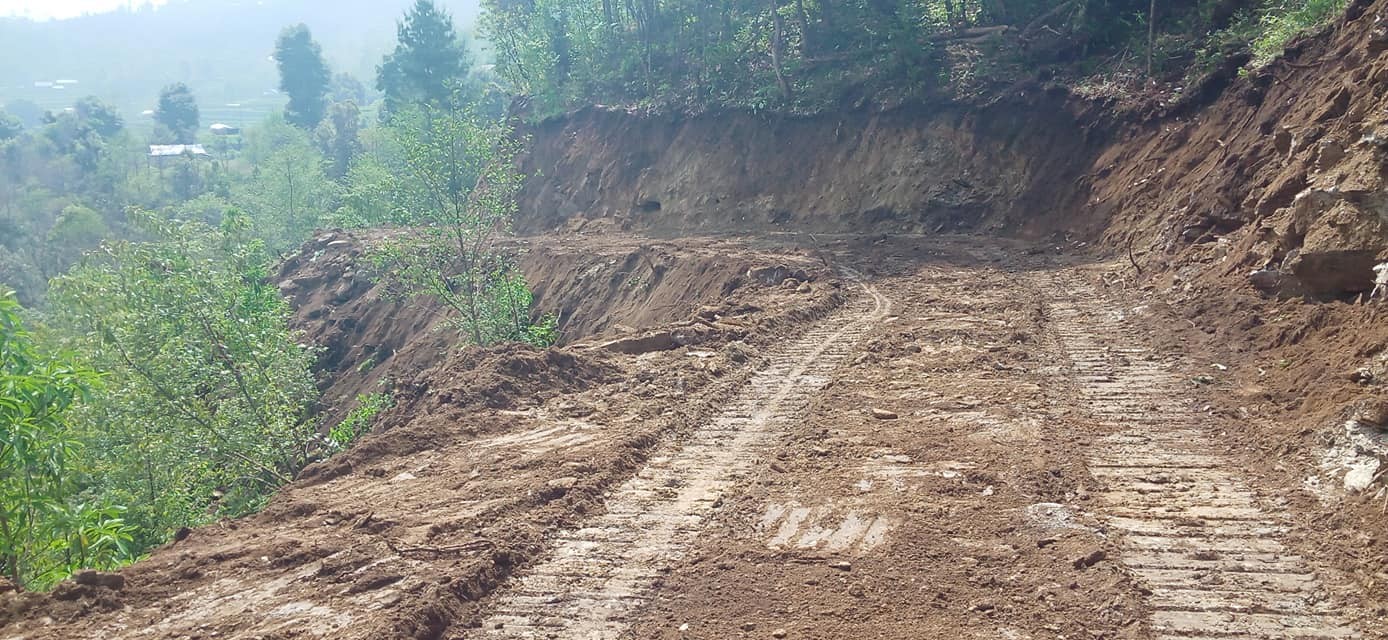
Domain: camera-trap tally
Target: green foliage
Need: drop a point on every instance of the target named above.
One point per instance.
(288, 191)
(347, 88)
(811, 55)
(29, 113)
(304, 76)
(450, 176)
(1283, 20)
(339, 137)
(45, 533)
(429, 62)
(10, 126)
(358, 422)
(177, 113)
(102, 118)
(208, 393)
(77, 227)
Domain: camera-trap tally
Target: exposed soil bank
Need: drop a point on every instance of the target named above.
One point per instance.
(916, 170)
(1280, 171)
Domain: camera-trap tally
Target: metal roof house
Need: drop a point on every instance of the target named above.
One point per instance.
(167, 150)
(160, 154)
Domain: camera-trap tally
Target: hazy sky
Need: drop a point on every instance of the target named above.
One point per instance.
(44, 9)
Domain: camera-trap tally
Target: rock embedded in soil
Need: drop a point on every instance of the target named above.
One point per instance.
(1373, 413)
(1090, 559)
(1361, 475)
(883, 414)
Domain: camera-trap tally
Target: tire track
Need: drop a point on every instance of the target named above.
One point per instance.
(1203, 543)
(596, 577)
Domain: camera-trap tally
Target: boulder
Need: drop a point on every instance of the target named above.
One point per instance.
(775, 275)
(1339, 251)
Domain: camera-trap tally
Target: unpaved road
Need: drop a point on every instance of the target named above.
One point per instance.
(979, 442)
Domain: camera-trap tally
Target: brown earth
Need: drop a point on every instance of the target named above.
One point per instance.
(1157, 411)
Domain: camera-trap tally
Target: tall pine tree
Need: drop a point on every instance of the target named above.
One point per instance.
(429, 62)
(304, 76)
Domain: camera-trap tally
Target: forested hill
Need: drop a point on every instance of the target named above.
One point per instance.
(811, 55)
(220, 48)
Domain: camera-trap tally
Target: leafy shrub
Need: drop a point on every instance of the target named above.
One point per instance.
(1284, 20)
(359, 421)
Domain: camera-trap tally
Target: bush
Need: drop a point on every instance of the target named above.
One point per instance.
(1285, 20)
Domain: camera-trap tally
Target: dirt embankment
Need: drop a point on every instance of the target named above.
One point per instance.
(597, 288)
(907, 170)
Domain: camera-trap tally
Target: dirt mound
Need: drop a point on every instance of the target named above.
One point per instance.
(1277, 184)
(372, 342)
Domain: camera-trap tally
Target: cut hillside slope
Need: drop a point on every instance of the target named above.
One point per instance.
(1253, 211)
(909, 170)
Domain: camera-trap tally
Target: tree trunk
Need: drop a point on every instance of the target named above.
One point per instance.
(1151, 33)
(805, 38)
(776, 53)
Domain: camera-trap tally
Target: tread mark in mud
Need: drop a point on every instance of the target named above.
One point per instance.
(595, 577)
(1195, 534)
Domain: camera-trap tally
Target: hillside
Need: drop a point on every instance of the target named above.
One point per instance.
(1048, 365)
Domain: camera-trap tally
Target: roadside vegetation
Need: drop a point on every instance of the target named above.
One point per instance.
(151, 380)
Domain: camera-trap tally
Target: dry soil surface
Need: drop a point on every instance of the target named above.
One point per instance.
(952, 438)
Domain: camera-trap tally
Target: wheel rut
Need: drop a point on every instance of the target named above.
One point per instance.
(1206, 546)
(595, 577)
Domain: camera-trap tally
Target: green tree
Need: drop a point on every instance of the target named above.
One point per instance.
(10, 126)
(346, 87)
(101, 117)
(429, 62)
(339, 137)
(288, 193)
(45, 534)
(29, 113)
(208, 391)
(456, 186)
(177, 114)
(77, 229)
(304, 76)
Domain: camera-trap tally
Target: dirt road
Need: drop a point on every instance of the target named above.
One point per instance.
(1003, 456)
(957, 440)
